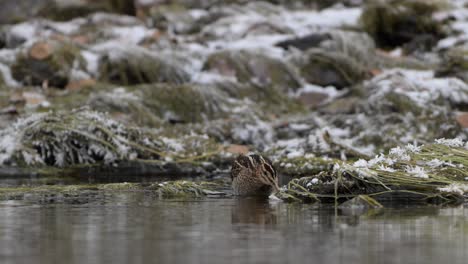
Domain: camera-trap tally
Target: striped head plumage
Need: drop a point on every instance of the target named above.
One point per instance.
(253, 175)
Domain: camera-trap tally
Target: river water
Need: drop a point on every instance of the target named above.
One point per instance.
(140, 228)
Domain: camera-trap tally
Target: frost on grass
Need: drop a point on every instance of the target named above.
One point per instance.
(455, 142)
(459, 188)
(87, 137)
(432, 172)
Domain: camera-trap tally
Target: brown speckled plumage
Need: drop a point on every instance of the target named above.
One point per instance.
(253, 175)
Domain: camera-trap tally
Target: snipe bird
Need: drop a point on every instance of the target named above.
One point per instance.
(253, 175)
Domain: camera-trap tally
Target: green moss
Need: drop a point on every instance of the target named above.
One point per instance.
(131, 69)
(182, 103)
(87, 192)
(400, 103)
(392, 23)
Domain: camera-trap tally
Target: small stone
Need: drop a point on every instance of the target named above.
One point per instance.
(34, 99)
(462, 119)
(313, 99)
(40, 50)
(81, 39)
(80, 84)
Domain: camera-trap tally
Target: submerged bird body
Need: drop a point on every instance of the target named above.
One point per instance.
(253, 175)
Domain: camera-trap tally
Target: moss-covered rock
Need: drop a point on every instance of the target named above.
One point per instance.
(454, 64)
(247, 66)
(139, 66)
(356, 45)
(68, 12)
(330, 68)
(48, 62)
(392, 23)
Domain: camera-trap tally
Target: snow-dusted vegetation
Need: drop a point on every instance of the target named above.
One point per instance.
(320, 88)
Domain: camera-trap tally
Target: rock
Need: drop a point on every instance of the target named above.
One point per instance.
(341, 58)
(75, 9)
(330, 69)
(49, 62)
(249, 67)
(266, 28)
(40, 50)
(34, 99)
(420, 44)
(9, 40)
(396, 22)
(312, 99)
(304, 43)
(62, 10)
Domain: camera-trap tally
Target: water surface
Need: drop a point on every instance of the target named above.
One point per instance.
(140, 228)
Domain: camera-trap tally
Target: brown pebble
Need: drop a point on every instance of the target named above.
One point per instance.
(40, 50)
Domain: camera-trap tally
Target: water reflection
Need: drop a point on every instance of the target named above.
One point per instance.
(253, 210)
(139, 228)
